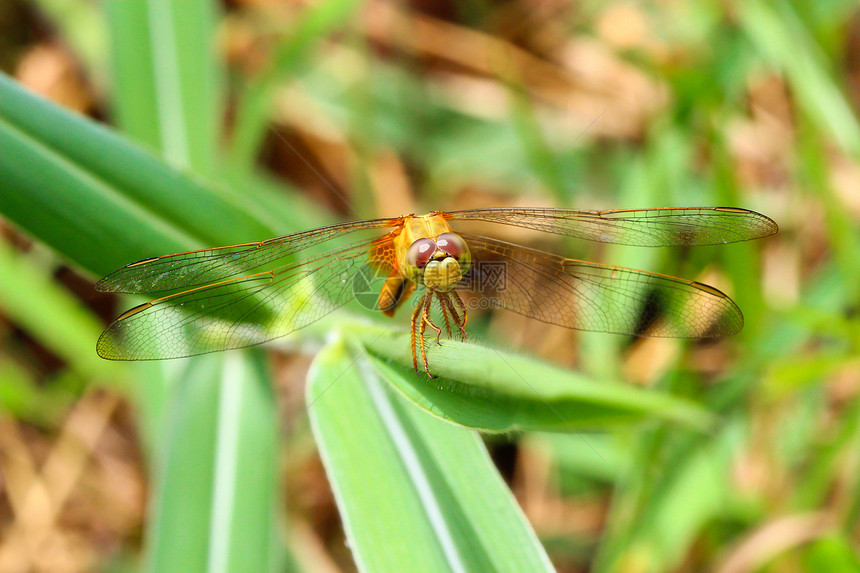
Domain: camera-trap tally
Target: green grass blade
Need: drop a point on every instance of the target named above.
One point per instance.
(82, 25)
(782, 38)
(99, 200)
(415, 494)
(667, 498)
(50, 314)
(835, 551)
(133, 72)
(214, 502)
(168, 91)
(228, 421)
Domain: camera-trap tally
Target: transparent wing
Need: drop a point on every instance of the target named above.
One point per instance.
(245, 310)
(591, 296)
(196, 268)
(640, 227)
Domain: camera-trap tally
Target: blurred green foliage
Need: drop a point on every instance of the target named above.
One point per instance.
(238, 124)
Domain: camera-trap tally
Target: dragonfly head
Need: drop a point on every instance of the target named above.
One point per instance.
(438, 264)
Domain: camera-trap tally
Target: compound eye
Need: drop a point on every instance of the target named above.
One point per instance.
(420, 252)
(452, 244)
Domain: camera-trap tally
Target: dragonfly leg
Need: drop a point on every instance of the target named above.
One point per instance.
(447, 308)
(465, 315)
(415, 314)
(425, 320)
(445, 304)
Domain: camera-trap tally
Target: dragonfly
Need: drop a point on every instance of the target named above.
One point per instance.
(241, 295)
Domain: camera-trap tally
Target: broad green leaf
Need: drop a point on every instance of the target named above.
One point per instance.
(415, 493)
(497, 391)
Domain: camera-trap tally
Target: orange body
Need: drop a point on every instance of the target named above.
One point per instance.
(414, 228)
(403, 279)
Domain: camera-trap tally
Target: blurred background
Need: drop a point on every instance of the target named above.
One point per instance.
(340, 110)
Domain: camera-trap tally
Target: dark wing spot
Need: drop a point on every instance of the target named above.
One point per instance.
(652, 310)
